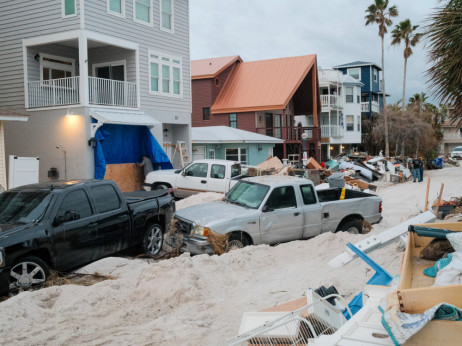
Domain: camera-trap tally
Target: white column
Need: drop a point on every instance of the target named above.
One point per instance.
(83, 68)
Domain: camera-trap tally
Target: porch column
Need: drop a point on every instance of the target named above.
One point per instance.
(83, 69)
(285, 133)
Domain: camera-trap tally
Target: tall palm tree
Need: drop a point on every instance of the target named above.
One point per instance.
(444, 43)
(418, 100)
(381, 14)
(405, 32)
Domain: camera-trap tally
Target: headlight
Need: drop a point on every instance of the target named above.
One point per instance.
(2, 257)
(202, 231)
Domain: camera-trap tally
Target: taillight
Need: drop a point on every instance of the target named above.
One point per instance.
(380, 208)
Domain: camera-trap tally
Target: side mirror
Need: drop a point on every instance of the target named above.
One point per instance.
(267, 209)
(183, 173)
(71, 215)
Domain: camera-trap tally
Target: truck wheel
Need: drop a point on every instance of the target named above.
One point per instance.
(159, 187)
(28, 272)
(236, 240)
(153, 240)
(352, 226)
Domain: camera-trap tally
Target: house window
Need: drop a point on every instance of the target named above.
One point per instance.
(116, 7)
(349, 94)
(357, 98)
(350, 123)
(237, 154)
(69, 8)
(55, 67)
(142, 10)
(233, 120)
(375, 75)
(355, 72)
(206, 113)
(167, 71)
(358, 124)
(212, 154)
(166, 15)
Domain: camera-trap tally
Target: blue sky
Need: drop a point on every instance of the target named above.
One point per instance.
(333, 29)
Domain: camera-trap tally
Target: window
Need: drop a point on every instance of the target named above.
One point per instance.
(308, 194)
(197, 170)
(357, 99)
(106, 198)
(55, 67)
(233, 120)
(237, 154)
(235, 170)
(281, 198)
(375, 75)
(355, 72)
(206, 113)
(350, 123)
(167, 71)
(218, 172)
(116, 7)
(69, 8)
(349, 94)
(166, 15)
(142, 10)
(77, 202)
(212, 154)
(358, 124)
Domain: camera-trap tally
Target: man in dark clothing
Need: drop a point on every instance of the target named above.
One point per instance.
(421, 169)
(416, 168)
(146, 164)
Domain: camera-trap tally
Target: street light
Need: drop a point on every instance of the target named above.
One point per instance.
(59, 147)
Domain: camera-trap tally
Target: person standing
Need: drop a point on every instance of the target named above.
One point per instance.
(416, 168)
(147, 165)
(421, 169)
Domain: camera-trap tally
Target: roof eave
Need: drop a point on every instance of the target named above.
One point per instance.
(247, 109)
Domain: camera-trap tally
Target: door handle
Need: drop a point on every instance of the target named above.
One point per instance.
(297, 213)
(203, 181)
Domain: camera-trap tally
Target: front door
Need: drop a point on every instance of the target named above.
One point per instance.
(282, 218)
(192, 180)
(75, 238)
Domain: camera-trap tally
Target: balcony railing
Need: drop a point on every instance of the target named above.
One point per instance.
(333, 76)
(454, 135)
(112, 92)
(335, 131)
(330, 101)
(292, 133)
(65, 91)
(53, 92)
(365, 107)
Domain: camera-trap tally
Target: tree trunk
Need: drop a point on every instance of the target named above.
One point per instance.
(404, 85)
(417, 148)
(402, 148)
(396, 146)
(385, 117)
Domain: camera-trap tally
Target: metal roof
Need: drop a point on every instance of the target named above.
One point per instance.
(347, 79)
(263, 85)
(358, 64)
(210, 68)
(226, 134)
(123, 117)
(12, 116)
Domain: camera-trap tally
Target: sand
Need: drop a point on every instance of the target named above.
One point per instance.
(200, 300)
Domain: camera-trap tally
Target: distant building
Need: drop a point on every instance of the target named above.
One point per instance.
(452, 136)
(263, 97)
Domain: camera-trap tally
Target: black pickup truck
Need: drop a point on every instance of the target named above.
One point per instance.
(63, 225)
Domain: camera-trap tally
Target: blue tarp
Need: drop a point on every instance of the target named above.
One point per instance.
(127, 144)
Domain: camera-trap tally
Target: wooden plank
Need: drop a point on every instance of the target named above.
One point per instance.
(289, 306)
(405, 275)
(128, 176)
(418, 300)
(438, 332)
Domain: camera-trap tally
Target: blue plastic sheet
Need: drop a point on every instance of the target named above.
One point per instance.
(117, 144)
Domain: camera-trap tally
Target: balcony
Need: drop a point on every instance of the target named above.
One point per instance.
(330, 101)
(335, 131)
(365, 107)
(330, 76)
(292, 134)
(452, 136)
(66, 91)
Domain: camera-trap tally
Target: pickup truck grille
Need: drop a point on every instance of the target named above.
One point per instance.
(183, 226)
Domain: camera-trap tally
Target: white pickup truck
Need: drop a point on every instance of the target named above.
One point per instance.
(273, 209)
(200, 176)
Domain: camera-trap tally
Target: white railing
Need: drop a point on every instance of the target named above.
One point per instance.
(53, 92)
(112, 92)
(365, 107)
(329, 101)
(335, 131)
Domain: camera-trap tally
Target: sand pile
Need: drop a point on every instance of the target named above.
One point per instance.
(200, 300)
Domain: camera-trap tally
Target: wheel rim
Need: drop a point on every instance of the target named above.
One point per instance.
(26, 274)
(353, 230)
(234, 245)
(154, 240)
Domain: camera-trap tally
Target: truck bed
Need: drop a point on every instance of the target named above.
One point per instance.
(333, 194)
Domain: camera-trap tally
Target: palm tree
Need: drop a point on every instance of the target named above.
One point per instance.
(444, 42)
(379, 13)
(405, 32)
(419, 101)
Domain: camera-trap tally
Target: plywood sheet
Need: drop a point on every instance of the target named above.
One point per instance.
(128, 176)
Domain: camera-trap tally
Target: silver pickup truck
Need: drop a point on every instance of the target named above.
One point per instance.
(274, 209)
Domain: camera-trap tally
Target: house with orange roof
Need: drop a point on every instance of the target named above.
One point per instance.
(260, 96)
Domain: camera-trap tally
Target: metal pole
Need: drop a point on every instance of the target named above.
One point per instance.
(65, 165)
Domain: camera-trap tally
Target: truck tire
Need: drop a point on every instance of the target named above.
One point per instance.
(153, 239)
(28, 272)
(158, 187)
(352, 226)
(236, 240)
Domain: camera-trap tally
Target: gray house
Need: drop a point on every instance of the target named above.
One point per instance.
(93, 75)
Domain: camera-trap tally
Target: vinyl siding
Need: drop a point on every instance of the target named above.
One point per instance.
(20, 20)
(201, 98)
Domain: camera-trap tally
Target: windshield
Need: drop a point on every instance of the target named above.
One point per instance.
(249, 195)
(23, 206)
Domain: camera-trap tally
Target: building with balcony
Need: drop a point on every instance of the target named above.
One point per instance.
(340, 113)
(260, 96)
(452, 135)
(82, 69)
(369, 74)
